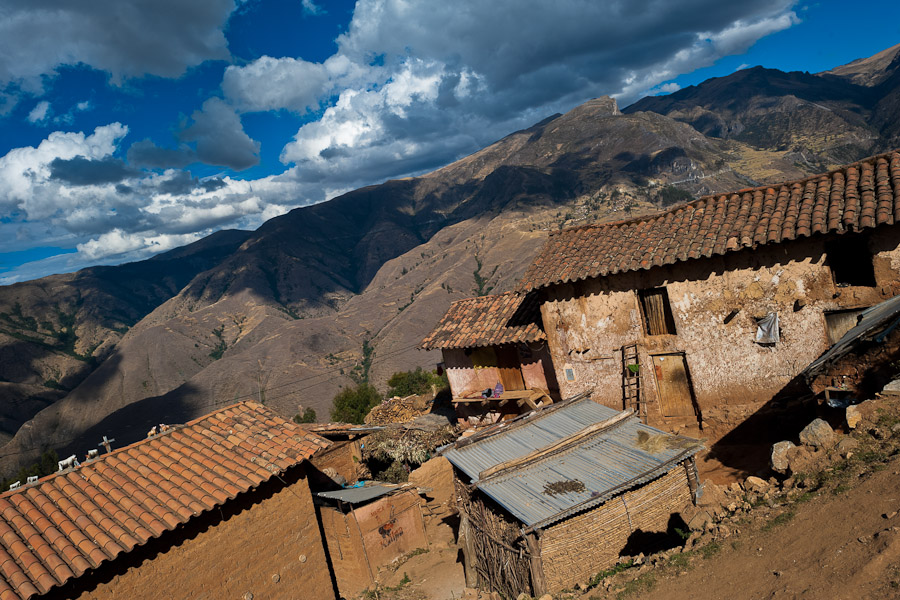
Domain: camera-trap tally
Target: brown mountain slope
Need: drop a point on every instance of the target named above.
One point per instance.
(284, 316)
(821, 120)
(870, 71)
(54, 331)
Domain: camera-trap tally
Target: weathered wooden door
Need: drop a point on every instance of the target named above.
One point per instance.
(510, 368)
(675, 396)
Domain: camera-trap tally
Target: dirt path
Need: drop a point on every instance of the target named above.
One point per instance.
(838, 545)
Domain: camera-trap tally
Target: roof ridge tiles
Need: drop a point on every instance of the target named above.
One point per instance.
(862, 194)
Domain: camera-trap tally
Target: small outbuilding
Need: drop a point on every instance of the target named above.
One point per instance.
(368, 527)
(495, 343)
(553, 497)
(217, 508)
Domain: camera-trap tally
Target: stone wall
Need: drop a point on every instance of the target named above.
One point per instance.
(266, 542)
(575, 549)
(715, 303)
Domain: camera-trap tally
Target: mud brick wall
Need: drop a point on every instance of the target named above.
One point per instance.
(343, 456)
(574, 550)
(715, 302)
(370, 537)
(345, 548)
(265, 542)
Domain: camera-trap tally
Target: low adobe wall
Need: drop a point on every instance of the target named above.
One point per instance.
(572, 551)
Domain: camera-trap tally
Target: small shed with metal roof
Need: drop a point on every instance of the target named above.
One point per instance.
(366, 527)
(553, 497)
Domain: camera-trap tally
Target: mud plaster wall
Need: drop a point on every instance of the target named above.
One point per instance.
(273, 533)
(370, 537)
(466, 380)
(588, 322)
(573, 550)
(343, 456)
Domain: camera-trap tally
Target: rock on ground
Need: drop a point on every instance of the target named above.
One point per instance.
(779, 459)
(818, 434)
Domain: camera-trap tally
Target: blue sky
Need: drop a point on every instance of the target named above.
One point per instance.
(130, 127)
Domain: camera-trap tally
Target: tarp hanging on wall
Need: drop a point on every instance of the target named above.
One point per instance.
(767, 329)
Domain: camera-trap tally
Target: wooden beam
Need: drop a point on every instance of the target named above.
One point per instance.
(556, 446)
(538, 580)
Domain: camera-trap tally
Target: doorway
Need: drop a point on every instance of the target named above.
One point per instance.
(676, 398)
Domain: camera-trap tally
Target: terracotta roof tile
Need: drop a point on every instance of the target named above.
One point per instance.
(855, 197)
(487, 321)
(70, 522)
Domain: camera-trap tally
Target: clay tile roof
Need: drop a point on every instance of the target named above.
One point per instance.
(70, 522)
(487, 321)
(862, 195)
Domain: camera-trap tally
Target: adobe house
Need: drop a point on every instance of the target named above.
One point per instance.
(219, 507)
(366, 528)
(553, 497)
(489, 340)
(699, 315)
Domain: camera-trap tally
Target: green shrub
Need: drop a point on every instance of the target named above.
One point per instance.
(352, 405)
(308, 416)
(415, 382)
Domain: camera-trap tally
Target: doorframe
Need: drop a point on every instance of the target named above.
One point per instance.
(690, 383)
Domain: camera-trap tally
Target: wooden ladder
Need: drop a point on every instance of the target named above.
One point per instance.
(631, 381)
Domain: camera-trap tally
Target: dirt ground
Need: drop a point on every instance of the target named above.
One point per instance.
(837, 545)
(433, 575)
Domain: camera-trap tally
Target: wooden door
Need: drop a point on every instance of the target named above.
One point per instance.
(675, 396)
(510, 368)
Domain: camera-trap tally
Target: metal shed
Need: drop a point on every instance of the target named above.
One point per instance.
(574, 479)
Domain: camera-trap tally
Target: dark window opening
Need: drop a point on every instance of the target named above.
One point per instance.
(656, 311)
(850, 261)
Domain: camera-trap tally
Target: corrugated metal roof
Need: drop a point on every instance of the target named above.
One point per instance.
(360, 494)
(871, 321)
(606, 463)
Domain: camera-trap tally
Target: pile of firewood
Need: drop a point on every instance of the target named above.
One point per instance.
(398, 410)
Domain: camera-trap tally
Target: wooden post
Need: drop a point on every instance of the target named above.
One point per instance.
(538, 581)
(465, 544)
(690, 468)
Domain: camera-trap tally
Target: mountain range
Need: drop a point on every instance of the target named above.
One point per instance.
(342, 291)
